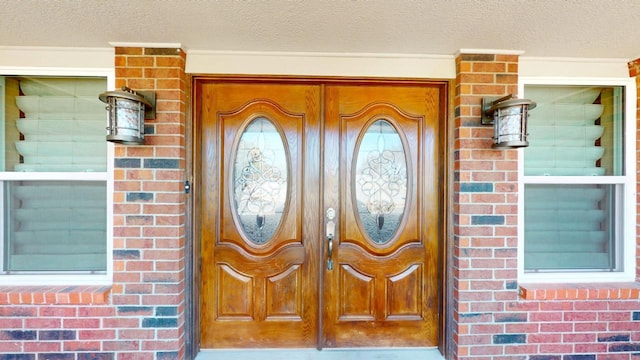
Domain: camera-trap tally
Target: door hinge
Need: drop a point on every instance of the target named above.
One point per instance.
(187, 187)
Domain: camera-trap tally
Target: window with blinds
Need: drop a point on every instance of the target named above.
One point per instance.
(54, 175)
(574, 179)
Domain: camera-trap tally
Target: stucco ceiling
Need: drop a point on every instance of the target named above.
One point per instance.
(556, 28)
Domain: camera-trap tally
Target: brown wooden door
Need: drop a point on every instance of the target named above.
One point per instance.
(370, 153)
(260, 174)
(381, 176)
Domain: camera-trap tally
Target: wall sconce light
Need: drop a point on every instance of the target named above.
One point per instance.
(508, 116)
(127, 111)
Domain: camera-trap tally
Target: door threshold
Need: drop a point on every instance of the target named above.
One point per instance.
(325, 354)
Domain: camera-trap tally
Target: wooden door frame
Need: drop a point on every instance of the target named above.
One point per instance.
(193, 200)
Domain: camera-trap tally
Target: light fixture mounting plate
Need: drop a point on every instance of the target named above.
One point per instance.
(149, 111)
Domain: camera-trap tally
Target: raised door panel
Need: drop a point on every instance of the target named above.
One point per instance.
(233, 286)
(404, 299)
(284, 294)
(356, 294)
(259, 264)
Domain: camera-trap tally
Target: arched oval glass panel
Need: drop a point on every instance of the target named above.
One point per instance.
(260, 174)
(380, 181)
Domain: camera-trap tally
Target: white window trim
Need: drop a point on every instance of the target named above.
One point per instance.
(71, 279)
(629, 192)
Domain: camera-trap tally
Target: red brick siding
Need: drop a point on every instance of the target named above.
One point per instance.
(142, 315)
(149, 204)
(491, 319)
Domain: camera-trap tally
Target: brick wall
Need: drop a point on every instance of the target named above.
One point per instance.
(485, 212)
(494, 316)
(149, 205)
(142, 315)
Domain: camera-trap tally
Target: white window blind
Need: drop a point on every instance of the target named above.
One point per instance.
(572, 215)
(55, 214)
(63, 125)
(569, 227)
(55, 226)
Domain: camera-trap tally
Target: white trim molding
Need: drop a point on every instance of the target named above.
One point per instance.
(146, 45)
(322, 64)
(596, 77)
(74, 62)
(490, 51)
(565, 68)
(18, 59)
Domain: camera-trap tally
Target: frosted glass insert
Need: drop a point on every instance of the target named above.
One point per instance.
(260, 180)
(380, 181)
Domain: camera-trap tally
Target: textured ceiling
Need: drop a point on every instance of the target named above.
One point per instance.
(555, 28)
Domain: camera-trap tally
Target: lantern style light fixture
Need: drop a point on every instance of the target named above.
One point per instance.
(508, 116)
(127, 111)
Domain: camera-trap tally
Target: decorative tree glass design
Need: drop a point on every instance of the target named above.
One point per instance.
(260, 180)
(381, 181)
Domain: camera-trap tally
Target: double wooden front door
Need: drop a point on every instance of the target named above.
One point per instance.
(320, 209)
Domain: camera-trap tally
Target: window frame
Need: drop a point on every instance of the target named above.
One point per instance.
(71, 278)
(627, 194)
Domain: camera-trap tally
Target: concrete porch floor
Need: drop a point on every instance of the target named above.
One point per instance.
(326, 354)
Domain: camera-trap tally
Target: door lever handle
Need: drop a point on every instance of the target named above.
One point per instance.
(330, 261)
(330, 231)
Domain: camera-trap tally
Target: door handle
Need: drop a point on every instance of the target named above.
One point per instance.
(331, 226)
(330, 233)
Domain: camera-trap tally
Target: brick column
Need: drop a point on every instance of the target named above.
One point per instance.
(485, 212)
(149, 211)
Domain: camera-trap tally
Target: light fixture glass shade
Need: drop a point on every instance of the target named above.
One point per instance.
(126, 116)
(510, 122)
